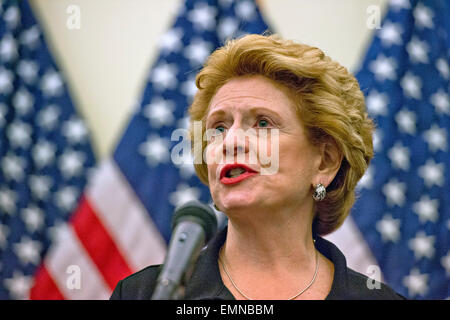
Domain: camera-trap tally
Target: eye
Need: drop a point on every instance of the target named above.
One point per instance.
(263, 123)
(219, 129)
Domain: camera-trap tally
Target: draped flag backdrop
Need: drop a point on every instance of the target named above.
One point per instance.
(68, 245)
(404, 208)
(45, 151)
(403, 212)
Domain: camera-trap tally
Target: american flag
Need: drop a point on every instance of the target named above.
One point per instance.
(403, 211)
(45, 150)
(122, 223)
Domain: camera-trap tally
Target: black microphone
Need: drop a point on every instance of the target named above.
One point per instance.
(193, 225)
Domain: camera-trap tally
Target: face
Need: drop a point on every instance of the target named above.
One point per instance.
(238, 183)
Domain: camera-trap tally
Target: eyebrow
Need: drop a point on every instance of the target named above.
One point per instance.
(252, 110)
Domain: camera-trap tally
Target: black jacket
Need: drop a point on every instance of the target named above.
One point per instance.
(206, 282)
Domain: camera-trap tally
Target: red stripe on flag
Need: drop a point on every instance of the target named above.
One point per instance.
(44, 287)
(99, 244)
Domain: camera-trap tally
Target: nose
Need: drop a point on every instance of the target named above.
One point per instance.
(236, 142)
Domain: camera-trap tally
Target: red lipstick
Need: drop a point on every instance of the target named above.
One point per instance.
(226, 179)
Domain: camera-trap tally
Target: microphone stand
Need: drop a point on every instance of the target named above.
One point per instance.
(184, 249)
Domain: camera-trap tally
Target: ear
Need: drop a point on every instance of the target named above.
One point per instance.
(331, 159)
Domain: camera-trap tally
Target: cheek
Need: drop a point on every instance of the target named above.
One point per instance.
(211, 172)
(265, 143)
(297, 158)
(212, 181)
(268, 152)
(210, 156)
(213, 155)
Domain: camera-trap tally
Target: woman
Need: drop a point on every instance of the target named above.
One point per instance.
(269, 88)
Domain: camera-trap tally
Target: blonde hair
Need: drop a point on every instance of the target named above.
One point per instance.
(329, 102)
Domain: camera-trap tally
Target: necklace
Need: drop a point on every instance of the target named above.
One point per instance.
(248, 298)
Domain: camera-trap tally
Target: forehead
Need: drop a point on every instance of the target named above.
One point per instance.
(252, 91)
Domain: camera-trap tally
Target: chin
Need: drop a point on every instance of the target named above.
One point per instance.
(236, 198)
(237, 204)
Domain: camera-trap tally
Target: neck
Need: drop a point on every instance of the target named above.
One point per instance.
(272, 256)
(279, 243)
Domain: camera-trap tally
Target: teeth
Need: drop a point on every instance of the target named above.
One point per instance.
(233, 173)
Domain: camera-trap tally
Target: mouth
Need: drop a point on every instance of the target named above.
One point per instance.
(234, 173)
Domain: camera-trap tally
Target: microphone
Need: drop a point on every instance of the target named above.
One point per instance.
(193, 225)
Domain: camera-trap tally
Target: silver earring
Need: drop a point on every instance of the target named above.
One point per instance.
(319, 192)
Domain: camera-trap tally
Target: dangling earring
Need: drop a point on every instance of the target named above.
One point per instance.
(319, 192)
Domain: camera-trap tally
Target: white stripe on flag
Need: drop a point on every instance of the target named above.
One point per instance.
(350, 241)
(123, 215)
(65, 260)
